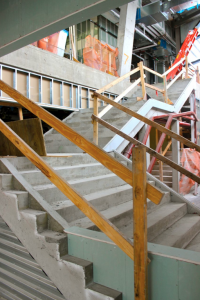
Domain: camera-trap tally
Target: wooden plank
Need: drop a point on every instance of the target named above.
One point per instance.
(108, 107)
(97, 153)
(96, 217)
(149, 150)
(20, 112)
(149, 122)
(140, 65)
(30, 130)
(153, 72)
(154, 88)
(140, 223)
(114, 82)
(172, 68)
(95, 123)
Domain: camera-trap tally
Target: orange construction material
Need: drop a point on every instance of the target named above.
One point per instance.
(49, 43)
(99, 56)
(184, 51)
(190, 160)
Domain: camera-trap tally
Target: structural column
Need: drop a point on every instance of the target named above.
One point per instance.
(175, 156)
(125, 39)
(178, 39)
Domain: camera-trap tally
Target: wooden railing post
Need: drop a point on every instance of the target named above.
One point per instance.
(186, 67)
(140, 222)
(140, 65)
(95, 123)
(20, 112)
(165, 88)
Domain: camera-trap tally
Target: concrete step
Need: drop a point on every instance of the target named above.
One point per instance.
(165, 173)
(69, 159)
(159, 220)
(84, 186)
(41, 218)
(120, 215)
(194, 245)
(36, 177)
(181, 233)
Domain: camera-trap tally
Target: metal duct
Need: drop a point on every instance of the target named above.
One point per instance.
(145, 36)
(152, 14)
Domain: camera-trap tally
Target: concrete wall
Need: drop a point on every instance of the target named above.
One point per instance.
(173, 274)
(40, 61)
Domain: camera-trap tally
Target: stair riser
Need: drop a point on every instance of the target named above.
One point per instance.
(6, 181)
(185, 239)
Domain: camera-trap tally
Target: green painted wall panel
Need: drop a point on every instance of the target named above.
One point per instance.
(173, 273)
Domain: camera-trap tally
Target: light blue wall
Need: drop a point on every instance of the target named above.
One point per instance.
(173, 274)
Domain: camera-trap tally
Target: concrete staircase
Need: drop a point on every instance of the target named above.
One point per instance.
(172, 223)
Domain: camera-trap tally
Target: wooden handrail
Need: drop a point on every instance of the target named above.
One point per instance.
(97, 153)
(154, 88)
(114, 82)
(149, 150)
(175, 78)
(172, 68)
(87, 208)
(149, 122)
(108, 107)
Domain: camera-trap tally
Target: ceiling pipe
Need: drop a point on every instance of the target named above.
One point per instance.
(164, 34)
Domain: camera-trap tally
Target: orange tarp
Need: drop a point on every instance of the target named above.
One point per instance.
(190, 160)
(100, 56)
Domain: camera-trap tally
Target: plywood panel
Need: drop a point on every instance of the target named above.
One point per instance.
(30, 130)
(34, 88)
(84, 98)
(7, 76)
(45, 90)
(21, 83)
(66, 95)
(56, 92)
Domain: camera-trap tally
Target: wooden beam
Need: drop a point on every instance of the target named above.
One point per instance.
(124, 93)
(154, 88)
(114, 82)
(95, 123)
(167, 147)
(140, 223)
(153, 72)
(149, 122)
(140, 65)
(97, 153)
(149, 150)
(89, 210)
